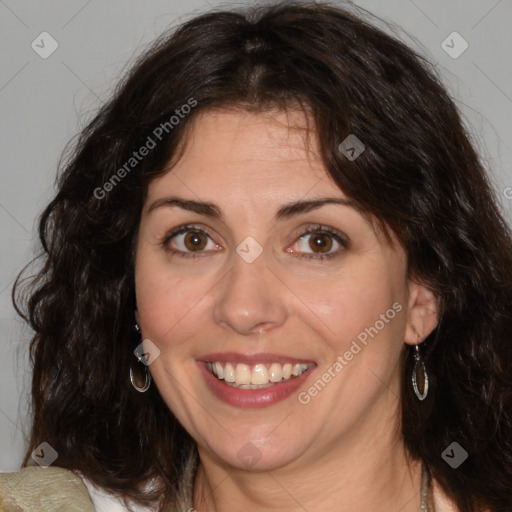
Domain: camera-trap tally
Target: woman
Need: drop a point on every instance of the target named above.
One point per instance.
(275, 277)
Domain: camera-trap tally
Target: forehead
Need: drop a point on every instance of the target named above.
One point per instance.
(236, 153)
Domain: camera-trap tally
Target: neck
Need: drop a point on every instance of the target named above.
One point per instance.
(363, 472)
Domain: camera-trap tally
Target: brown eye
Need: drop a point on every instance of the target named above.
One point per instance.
(321, 241)
(195, 240)
(189, 241)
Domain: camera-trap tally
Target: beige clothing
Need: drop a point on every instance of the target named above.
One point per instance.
(37, 489)
(53, 489)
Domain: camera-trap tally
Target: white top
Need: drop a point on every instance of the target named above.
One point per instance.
(104, 501)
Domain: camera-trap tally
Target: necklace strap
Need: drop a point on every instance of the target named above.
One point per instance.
(425, 492)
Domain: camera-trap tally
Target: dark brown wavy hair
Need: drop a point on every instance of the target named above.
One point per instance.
(419, 177)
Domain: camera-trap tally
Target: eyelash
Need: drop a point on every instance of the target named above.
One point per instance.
(319, 229)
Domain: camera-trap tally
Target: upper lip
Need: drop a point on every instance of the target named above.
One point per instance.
(251, 359)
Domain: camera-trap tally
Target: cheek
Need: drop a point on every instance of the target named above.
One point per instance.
(165, 300)
(347, 303)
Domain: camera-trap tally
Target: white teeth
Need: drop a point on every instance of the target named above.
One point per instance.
(261, 376)
(242, 374)
(297, 369)
(229, 373)
(275, 373)
(219, 371)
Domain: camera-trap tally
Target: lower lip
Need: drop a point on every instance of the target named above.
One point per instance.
(252, 398)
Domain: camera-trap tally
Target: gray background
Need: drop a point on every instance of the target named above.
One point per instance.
(45, 102)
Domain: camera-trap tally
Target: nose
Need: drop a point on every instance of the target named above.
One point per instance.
(251, 298)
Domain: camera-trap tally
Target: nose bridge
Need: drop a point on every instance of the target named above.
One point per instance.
(250, 297)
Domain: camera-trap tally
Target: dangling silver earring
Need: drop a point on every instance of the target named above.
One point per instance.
(419, 365)
(147, 374)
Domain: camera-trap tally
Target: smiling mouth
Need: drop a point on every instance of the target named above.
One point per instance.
(256, 376)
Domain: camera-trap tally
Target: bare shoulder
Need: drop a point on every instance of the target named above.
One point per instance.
(43, 489)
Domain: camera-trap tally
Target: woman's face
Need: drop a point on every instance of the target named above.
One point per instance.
(244, 286)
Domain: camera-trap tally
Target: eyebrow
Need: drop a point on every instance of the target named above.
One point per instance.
(212, 210)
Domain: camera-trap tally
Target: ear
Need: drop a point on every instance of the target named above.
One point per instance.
(136, 313)
(422, 313)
